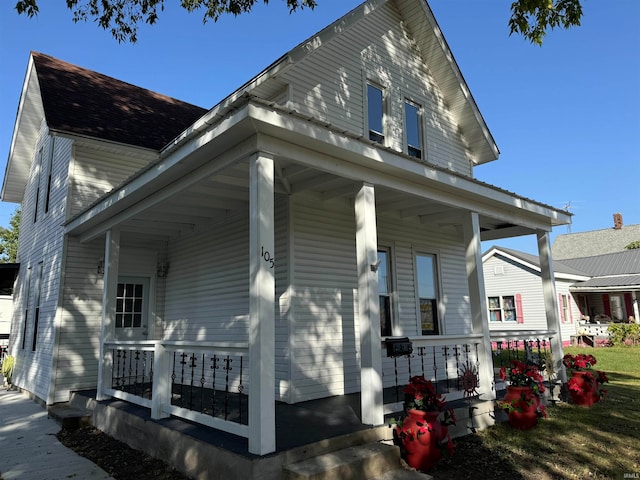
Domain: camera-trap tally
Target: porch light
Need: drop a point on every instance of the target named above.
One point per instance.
(162, 270)
(100, 269)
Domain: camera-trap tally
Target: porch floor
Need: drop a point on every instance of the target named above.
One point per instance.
(320, 419)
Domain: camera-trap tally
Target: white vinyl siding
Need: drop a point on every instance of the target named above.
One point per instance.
(95, 172)
(325, 333)
(40, 243)
(504, 277)
(329, 85)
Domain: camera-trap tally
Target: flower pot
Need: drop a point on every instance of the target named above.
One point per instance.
(583, 389)
(422, 438)
(523, 415)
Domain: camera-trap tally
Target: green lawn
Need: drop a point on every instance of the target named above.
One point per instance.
(601, 442)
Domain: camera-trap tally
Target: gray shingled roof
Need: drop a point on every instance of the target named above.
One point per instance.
(595, 242)
(83, 102)
(558, 267)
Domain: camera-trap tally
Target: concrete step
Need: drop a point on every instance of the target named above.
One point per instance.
(68, 416)
(360, 462)
(403, 474)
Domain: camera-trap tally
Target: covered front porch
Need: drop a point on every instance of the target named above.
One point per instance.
(225, 359)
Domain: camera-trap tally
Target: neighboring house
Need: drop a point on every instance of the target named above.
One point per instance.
(596, 242)
(8, 273)
(325, 205)
(593, 291)
(515, 297)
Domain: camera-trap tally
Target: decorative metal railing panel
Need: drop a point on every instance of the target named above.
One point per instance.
(210, 383)
(532, 347)
(451, 363)
(204, 382)
(132, 371)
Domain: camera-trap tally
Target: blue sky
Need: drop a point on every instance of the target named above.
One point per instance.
(566, 116)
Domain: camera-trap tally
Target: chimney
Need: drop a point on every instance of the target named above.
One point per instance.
(617, 221)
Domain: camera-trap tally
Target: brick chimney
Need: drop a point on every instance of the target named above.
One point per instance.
(617, 221)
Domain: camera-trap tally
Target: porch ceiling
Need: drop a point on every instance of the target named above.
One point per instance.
(202, 180)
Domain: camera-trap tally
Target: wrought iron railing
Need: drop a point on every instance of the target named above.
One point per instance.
(452, 363)
(204, 382)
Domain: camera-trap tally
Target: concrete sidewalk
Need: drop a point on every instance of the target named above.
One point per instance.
(29, 449)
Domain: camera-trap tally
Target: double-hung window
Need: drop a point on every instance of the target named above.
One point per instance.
(385, 289)
(375, 113)
(413, 128)
(502, 309)
(427, 293)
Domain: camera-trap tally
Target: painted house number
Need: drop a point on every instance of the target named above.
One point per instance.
(266, 255)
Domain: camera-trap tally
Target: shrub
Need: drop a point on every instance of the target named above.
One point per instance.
(624, 333)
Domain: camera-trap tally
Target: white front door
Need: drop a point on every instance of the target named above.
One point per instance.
(132, 307)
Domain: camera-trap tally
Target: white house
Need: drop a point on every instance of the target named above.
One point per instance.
(515, 299)
(266, 246)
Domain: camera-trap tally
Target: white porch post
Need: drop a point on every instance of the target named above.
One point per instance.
(478, 302)
(107, 327)
(369, 307)
(550, 298)
(262, 425)
(636, 310)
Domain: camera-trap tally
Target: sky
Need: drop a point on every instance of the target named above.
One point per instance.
(565, 116)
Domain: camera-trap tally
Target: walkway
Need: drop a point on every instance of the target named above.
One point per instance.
(29, 449)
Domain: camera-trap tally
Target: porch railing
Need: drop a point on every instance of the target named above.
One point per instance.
(206, 382)
(451, 362)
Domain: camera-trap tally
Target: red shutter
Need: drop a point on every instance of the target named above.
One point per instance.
(570, 309)
(562, 319)
(519, 311)
(628, 303)
(607, 305)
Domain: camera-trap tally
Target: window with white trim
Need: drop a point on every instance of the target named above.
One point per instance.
(385, 287)
(413, 128)
(427, 293)
(375, 113)
(502, 309)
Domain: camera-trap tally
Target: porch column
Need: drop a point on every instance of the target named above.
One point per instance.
(478, 302)
(262, 425)
(551, 299)
(369, 307)
(636, 310)
(107, 327)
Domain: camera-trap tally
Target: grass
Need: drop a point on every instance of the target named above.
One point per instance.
(600, 442)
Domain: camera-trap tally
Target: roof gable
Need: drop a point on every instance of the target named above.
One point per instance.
(84, 102)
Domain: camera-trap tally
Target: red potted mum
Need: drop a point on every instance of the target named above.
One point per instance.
(584, 388)
(422, 435)
(522, 403)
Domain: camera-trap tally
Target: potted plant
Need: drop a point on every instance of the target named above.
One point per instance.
(422, 435)
(584, 388)
(8, 364)
(522, 401)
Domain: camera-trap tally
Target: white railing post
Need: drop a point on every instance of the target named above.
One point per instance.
(161, 386)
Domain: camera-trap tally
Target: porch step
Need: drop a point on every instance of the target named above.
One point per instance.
(68, 416)
(363, 462)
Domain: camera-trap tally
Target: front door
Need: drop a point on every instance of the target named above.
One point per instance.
(132, 307)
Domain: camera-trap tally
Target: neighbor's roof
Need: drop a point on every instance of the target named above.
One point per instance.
(629, 281)
(595, 242)
(626, 262)
(84, 102)
(558, 267)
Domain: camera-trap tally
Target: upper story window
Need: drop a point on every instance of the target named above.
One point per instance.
(38, 171)
(413, 128)
(375, 113)
(427, 293)
(385, 287)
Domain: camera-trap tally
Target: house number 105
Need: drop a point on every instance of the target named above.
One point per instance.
(267, 257)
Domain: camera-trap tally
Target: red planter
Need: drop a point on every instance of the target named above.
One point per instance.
(583, 390)
(525, 404)
(422, 437)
